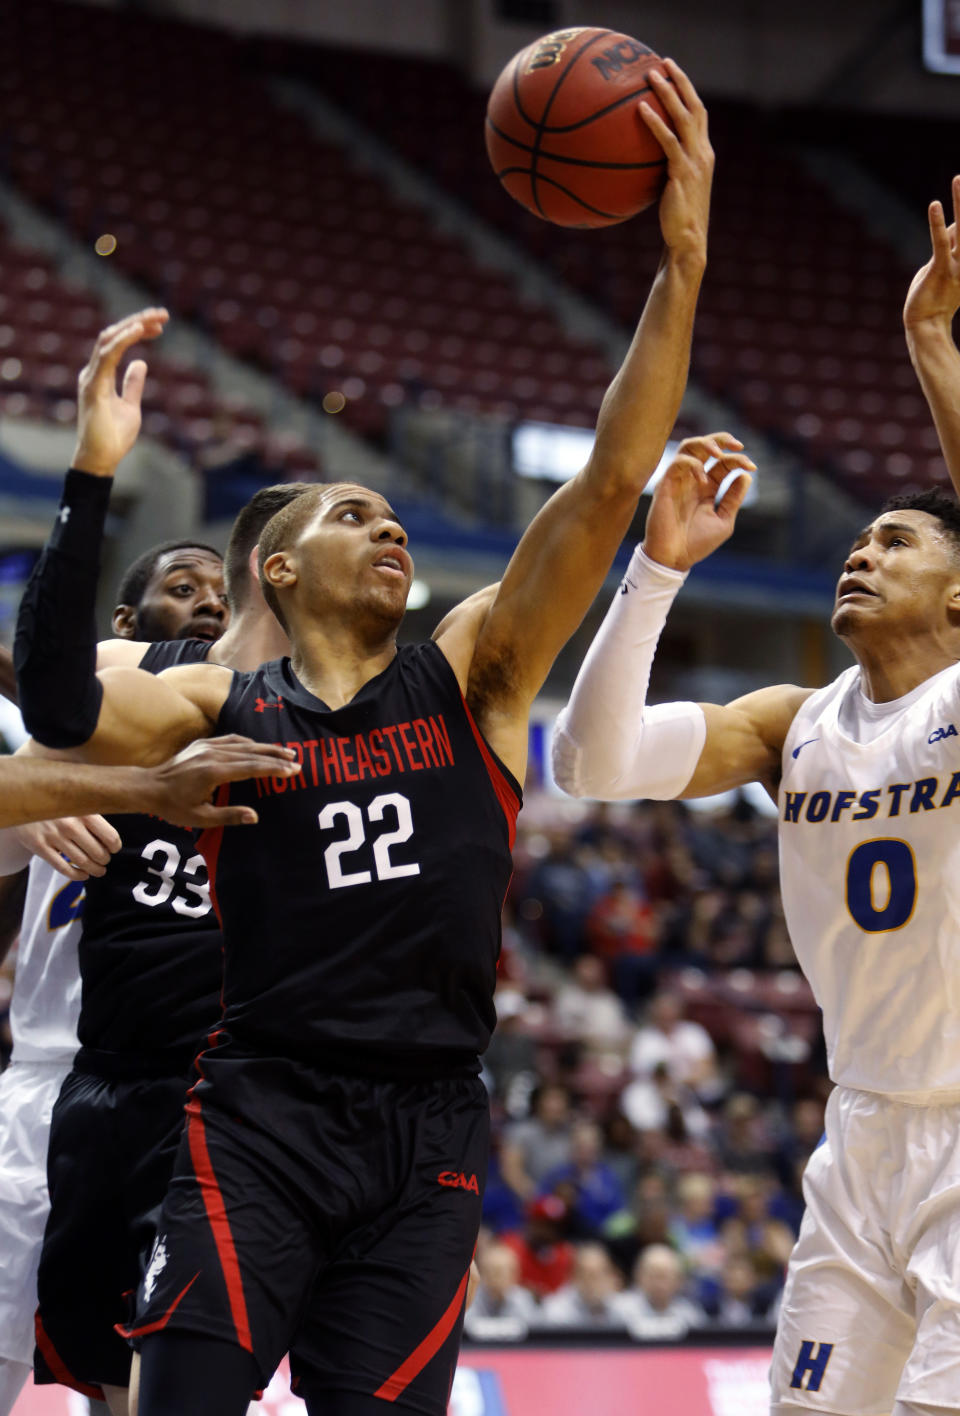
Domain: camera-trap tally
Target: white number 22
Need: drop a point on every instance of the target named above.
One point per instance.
(356, 837)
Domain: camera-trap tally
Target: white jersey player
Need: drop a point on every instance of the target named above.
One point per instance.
(43, 1023)
(866, 774)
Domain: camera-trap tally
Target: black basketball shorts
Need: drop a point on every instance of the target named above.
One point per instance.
(331, 1216)
(112, 1148)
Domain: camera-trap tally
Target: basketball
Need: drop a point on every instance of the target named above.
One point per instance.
(564, 133)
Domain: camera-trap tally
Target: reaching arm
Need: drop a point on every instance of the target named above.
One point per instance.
(33, 789)
(55, 650)
(608, 743)
(568, 549)
(932, 301)
(8, 678)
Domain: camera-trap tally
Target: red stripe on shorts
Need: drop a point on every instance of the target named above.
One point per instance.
(431, 1344)
(506, 796)
(219, 1223)
(209, 843)
(58, 1368)
(160, 1323)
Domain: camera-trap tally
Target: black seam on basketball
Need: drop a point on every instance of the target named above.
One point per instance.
(516, 93)
(602, 112)
(546, 110)
(576, 161)
(550, 182)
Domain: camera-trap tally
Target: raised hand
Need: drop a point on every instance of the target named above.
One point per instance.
(934, 293)
(108, 422)
(685, 522)
(179, 790)
(685, 204)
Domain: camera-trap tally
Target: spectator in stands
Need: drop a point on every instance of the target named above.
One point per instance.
(545, 1256)
(647, 1221)
(512, 1053)
(659, 1104)
(683, 1046)
(587, 1009)
(753, 1232)
(744, 1143)
(655, 1306)
(740, 1298)
(587, 1184)
(694, 1231)
(621, 930)
(592, 1298)
(538, 1145)
(560, 885)
(501, 1307)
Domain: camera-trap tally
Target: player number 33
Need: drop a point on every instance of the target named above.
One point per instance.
(389, 808)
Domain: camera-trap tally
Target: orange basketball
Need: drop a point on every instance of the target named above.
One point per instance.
(564, 131)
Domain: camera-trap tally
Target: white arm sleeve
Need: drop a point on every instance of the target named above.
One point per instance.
(608, 744)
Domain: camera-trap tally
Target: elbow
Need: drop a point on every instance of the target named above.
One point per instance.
(565, 763)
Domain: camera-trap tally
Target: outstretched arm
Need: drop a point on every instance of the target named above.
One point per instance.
(932, 301)
(32, 789)
(56, 641)
(568, 549)
(608, 743)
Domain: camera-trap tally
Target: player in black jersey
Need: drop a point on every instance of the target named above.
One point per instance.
(327, 1190)
(150, 951)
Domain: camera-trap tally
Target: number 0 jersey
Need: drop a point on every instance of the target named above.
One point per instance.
(150, 949)
(361, 915)
(869, 808)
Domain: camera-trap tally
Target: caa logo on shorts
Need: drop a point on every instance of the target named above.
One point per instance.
(456, 1180)
(816, 1366)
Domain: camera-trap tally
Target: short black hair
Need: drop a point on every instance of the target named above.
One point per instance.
(944, 508)
(261, 508)
(280, 532)
(138, 575)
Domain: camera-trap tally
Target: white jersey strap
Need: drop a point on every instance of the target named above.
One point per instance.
(608, 744)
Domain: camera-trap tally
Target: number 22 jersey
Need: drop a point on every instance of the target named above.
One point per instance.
(361, 916)
(869, 808)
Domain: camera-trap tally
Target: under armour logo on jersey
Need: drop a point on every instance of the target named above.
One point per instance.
(63, 515)
(456, 1180)
(264, 703)
(939, 734)
(158, 1262)
(797, 750)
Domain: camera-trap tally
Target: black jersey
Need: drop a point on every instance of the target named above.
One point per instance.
(151, 958)
(362, 914)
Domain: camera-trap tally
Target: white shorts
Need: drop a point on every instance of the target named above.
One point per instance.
(871, 1307)
(27, 1093)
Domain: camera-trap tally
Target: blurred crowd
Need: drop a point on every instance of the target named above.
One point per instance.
(653, 1107)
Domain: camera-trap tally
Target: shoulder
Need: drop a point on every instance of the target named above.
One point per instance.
(120, 653)
(205, 685)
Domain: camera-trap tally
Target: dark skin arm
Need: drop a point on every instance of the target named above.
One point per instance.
(34, 789)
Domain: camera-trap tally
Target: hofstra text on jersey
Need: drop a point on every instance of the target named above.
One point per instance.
(894, 799)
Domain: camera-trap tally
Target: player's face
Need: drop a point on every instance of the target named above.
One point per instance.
(902, 570)
(184, 599)
(352, 554)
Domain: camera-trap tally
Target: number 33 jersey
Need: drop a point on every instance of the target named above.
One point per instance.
(361, 916)
(150, 951)
(869, 808)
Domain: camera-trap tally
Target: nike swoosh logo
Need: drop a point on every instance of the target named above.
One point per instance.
(626, 586)
(797, 750)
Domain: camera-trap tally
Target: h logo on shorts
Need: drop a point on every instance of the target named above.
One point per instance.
(816, 1366)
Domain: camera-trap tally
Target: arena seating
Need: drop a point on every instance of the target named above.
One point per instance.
(799, 322)
(230, 211)
(47, 328)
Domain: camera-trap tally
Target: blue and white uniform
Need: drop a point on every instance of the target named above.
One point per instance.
(869, 808)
